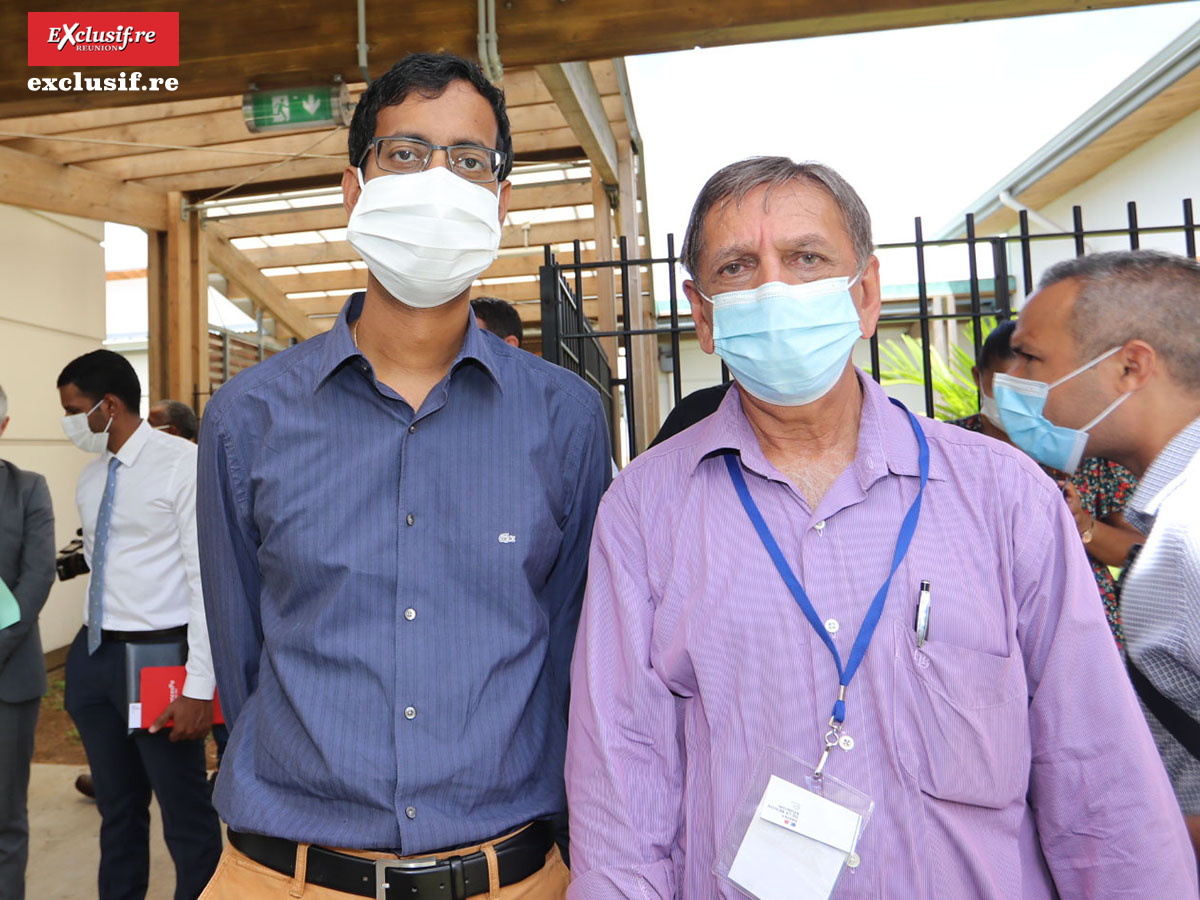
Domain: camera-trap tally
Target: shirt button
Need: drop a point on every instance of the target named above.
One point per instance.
(832, 626)
(410, 811)
(820, 526)
(410, 614)
(412, 429)
(411, 518)
(410, 712)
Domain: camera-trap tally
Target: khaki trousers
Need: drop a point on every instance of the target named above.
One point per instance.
(240, 878)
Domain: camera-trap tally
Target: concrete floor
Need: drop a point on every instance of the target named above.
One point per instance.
(64, 840)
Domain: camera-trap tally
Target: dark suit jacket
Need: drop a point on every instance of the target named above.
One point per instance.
(27, 567)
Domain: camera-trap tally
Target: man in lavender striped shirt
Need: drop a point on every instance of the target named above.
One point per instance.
(1002, 747)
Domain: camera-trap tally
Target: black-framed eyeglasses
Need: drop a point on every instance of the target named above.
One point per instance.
(407, 156)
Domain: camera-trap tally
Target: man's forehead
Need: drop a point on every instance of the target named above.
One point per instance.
(796, 205)
(1044, 315)
(459, 114)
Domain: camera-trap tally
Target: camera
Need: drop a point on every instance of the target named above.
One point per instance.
(70, 561)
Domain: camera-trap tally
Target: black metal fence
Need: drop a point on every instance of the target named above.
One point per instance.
(992, 265)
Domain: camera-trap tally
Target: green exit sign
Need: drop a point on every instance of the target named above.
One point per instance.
(297, 109)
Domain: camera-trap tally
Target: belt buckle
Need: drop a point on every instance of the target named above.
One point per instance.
(382, 865)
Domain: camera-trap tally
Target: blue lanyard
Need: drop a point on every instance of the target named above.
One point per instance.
(907, 528)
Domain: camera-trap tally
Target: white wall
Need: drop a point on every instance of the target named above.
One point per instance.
(51, 310)
(1157, 176)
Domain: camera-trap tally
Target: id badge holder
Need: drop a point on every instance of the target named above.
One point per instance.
(794, 833)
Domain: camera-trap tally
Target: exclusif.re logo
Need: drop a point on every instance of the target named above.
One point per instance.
(103, 39)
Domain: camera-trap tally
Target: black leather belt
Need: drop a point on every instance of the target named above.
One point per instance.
(421, 878)
(144, 637)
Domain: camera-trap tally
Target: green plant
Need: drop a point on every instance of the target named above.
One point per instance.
(953, 385)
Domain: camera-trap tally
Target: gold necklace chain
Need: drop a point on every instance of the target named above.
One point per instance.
(354, 333)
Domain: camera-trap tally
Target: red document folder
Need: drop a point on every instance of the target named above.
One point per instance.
(160, 685)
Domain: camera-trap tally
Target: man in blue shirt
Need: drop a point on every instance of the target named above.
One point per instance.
(394, 522)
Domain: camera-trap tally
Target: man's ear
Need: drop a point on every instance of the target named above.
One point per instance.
(870, 303)
(3, 425)
(350, 188)
(701, 315)
(505, 199)
(1139, 363)
(512, 339)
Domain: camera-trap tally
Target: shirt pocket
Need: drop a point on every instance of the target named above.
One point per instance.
(961, 721)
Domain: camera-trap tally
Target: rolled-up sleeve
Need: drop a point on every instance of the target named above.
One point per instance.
(1106, 816)
(624, 772)
(228, 566)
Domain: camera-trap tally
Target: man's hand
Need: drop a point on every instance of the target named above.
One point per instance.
(193, 719)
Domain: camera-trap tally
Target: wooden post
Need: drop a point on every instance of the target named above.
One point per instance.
(198, 279)
(606, 292)
(178, 303)
(156, 291)
(645, 348)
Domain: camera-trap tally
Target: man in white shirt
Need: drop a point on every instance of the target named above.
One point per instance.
(1116, 338)
(137, 505)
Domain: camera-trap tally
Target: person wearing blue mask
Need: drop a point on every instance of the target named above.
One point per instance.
(833, 649)
(1095, 492)
(1108, 364)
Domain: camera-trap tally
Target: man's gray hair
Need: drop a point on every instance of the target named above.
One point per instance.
(738, 179)
(3, 404)
(1129, 295)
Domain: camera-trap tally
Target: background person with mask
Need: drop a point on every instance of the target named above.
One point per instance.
(813, 579)
(394, 521)
(136, 503)
(1095, 492)
(1110, 345)
(26, 574)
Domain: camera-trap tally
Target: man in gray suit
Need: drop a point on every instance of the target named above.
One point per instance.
(27, 569)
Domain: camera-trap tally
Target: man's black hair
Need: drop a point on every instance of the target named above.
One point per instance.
(499, 317)
(997, 348)
(429, 74)
(182, 417)
(104, 372)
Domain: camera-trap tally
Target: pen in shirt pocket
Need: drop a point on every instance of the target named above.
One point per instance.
(923, 604)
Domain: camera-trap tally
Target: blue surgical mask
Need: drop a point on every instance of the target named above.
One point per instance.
(1021, 401)
(787, 344)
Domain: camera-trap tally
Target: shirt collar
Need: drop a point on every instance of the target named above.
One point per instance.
(1153, 487)
(132, 448)
(339, 345)
(886, 443)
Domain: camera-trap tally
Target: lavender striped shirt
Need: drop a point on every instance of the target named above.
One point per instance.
(1006, 758)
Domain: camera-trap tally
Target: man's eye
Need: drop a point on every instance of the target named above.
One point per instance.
(810, 259)
(469, 163)
(731, 269)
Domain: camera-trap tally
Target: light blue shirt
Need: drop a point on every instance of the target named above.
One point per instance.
(393, 597)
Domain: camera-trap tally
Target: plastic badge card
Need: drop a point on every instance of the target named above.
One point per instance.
(794, 834)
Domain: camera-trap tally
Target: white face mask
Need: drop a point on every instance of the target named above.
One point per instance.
(426, 236)
(989, 410)
(80, 433)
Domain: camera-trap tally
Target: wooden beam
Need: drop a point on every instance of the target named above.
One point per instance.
(156, 290)
(142, 166)
(644, 366)
(542, 195)
(340, 280)
(574, 90)
(236, 267)
(27, 180)
(606, 292)
(178, 318)
(229, 43)
(198, 283)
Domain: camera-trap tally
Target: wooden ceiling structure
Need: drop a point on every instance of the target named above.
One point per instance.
(184, 167)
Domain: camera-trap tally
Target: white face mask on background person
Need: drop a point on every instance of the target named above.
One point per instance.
(80, 433)
(425, 236)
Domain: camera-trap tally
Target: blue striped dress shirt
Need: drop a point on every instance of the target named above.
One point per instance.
(393, 597)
